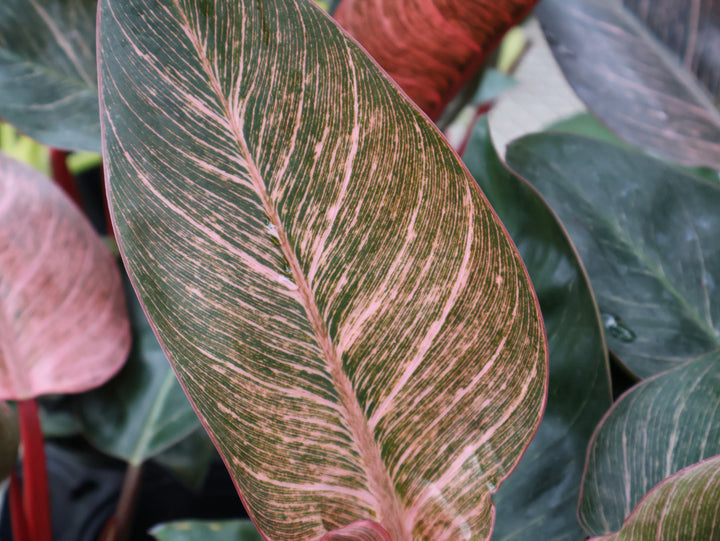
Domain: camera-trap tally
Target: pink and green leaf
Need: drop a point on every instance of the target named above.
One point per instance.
(348, 316)
(684, 506)
(659, 427)
(63, 322)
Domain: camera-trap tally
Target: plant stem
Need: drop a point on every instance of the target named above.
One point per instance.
(119, 526)
(63, 177)
(36, 498)
(481, 110)
(17, 514)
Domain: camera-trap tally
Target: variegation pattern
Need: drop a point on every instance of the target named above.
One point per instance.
(363, 530)
(431, 47)
(685, 506)
(658, 428)
(63, 323)
(345, 311)
(48, 78)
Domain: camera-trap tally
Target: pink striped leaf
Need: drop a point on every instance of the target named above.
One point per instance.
(348, 316)
(431, 47)
(63, 322)
(684, 506)
(363, 530)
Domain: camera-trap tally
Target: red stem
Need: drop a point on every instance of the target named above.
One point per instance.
(36, 498)
(481, 110)
(17, 515)
(63, 176)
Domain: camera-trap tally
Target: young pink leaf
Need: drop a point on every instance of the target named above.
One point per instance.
(431, 47)
(63, 323)
(350, 319)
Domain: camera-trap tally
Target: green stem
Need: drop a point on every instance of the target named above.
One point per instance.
(120, 525)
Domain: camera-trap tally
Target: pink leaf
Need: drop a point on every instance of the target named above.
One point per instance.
(63, 322)
(362, 530)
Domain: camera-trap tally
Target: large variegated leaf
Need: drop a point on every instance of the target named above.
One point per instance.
(63, 322)
(658, 428)
(48, 79)
(645, 92)
(345, 311)
(685, 506)
(431, 47)
(647, 234)
(542, 493)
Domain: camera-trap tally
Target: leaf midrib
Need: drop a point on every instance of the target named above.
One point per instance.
(380, 485)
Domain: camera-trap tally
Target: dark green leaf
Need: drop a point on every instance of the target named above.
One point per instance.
(48, 78)
(189, 460)
(684, 507)
(647, 235)
(542, 493)
(195, 530)
(656, 429)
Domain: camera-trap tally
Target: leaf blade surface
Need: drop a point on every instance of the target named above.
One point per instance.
(635, 85)
(645, 232)
(659, 427)
(431, 47)
(312, 254)
(684, 506)
(63, 321)
(48, 78)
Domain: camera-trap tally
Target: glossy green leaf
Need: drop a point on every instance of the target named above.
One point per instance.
(542, 494)
(588, 125)
(685, 506)
(656, 429)
(63, 321)
(644, 91)
(196, 530)
(345, 311)
(431, 48)
(9, 440)
(647, 235)
(48, 78)
(143, 410)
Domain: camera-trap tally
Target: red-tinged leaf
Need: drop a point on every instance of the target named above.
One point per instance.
(646, 93)
(431, 47)
(684, 506)
(344, 309)
(363, 530)
(63, 323)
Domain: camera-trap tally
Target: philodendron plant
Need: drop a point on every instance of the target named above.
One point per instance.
(361, 321)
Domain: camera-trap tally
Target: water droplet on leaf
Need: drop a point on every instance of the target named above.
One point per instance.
(615, 327)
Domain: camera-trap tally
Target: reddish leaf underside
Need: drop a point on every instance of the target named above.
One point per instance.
(431, 47)
(63, 323)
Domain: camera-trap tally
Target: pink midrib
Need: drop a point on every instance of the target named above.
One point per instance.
(388, 506)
